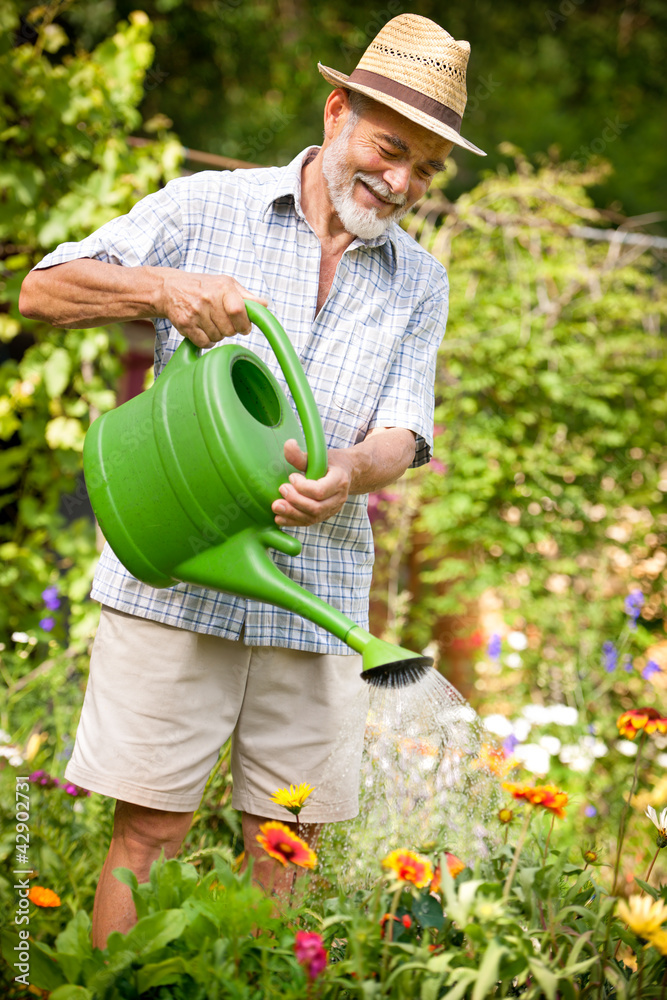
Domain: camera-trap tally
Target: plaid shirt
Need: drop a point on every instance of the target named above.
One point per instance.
(369, 356)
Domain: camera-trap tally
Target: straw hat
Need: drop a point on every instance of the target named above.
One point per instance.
(415, 67)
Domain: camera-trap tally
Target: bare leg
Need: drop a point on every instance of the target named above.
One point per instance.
(139, 835)
(268, 873)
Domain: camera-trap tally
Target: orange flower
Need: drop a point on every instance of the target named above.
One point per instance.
(547, 796)
(409, 867)
(43, 897)
(494, 760)
(649, 719)
(283, 845)
(454, 867)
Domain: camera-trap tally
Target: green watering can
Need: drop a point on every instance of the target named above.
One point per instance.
(182, 477)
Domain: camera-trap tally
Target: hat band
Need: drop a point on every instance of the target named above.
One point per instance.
(408, 95)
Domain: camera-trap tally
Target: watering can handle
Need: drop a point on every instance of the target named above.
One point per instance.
(295, 377)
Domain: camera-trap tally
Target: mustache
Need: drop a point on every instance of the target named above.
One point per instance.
(380, 188)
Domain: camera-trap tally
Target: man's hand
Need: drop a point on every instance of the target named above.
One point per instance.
(205, 308)
(307, 501)
(380, 459)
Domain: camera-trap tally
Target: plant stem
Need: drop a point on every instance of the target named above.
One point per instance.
(517, 851)
(650, 869)
(546, 846)
(621, 832)
(389, 928)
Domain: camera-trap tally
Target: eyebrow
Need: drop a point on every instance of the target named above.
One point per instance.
(401, 145)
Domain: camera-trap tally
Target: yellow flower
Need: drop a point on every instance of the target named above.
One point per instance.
(292, 798)
(659, 941)
(643, 915)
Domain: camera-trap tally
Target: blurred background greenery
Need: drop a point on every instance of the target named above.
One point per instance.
(239, 77)
(544, 507)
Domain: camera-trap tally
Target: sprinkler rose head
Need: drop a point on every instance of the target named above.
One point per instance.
(400, 673)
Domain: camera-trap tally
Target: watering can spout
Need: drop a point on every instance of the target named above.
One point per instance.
(241, 565)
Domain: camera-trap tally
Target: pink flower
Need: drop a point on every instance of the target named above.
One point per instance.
(435, 465)
(310, 952)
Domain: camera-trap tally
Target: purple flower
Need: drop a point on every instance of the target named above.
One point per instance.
(44, 779)
(609, 657)
(510, 743)
(634, 603)
(494, 647)
(590, 811)
(650, 668)
(51, 599)
(47, 623)
(627, 664)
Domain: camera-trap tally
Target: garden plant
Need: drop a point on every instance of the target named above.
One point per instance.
(535, 542)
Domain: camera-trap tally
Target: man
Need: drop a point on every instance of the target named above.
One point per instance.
(175, 672)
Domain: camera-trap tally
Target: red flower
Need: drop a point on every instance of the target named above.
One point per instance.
(630, 722)
(283, 845)
(409, 867)
(310, 952)
(547, 796)
(454, 867)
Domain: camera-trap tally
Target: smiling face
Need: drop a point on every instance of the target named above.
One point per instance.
(377, 164)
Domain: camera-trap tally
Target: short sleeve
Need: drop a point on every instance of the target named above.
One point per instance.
(407, 398)
(149, 235)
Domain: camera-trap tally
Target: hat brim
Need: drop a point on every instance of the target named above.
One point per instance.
(337, 79)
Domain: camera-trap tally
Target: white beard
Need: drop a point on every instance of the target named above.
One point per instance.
(362, 222)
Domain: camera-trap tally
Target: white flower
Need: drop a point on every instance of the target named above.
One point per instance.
(513, 660)
(521, 728)
(626, 747)
(498, 724)
(20, 637)
(660, 822)
(550, 743)
(539, 715)
(533, 757)
(517, 640)
(563, 715)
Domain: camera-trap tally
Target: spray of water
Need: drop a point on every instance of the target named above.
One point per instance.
(422, 784)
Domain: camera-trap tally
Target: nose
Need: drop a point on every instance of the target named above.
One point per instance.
(397, 176)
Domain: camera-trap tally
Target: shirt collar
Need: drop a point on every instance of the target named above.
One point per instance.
(288, 184)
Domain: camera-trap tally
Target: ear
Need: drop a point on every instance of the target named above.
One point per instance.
(336, 110)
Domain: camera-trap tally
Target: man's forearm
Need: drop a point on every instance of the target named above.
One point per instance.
(379, 460)
(83, 293)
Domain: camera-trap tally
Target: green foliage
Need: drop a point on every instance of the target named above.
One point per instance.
(551, 933)
(240, 78)
(217, 936)
(67, 169)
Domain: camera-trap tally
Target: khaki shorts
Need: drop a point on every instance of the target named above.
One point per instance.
(161, 701)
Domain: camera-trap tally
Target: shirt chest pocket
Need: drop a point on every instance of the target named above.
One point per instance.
(367, 353)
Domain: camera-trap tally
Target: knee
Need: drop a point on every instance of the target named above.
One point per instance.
(143, 833)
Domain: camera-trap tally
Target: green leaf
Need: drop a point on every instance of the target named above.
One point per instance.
(488, 973)
(43, 972)
(162, 973)
(428, 911)
(72, 993)
(155, 931)
(545, 977)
